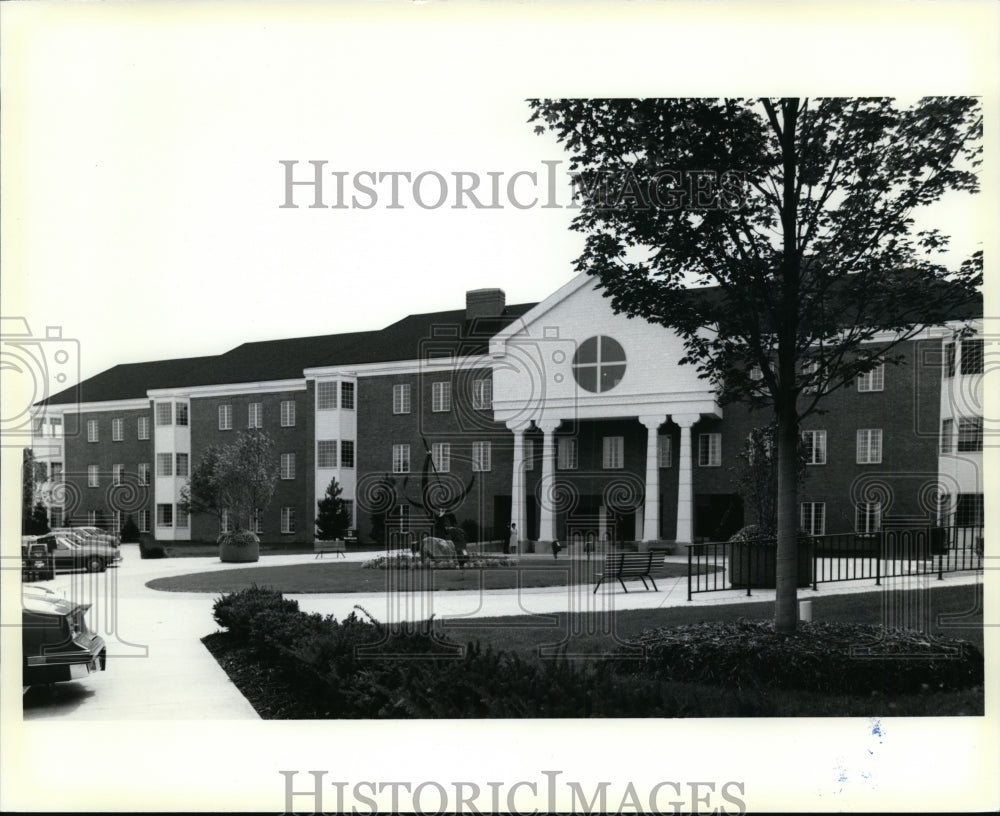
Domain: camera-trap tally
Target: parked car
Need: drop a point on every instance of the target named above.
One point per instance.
(36, 565)
(71, 552)
(57, 644)
(91, 534)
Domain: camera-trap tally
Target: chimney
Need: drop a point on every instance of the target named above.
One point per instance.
(484, 303)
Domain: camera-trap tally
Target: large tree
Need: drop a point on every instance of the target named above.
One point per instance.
(775, 234)
(333, 519)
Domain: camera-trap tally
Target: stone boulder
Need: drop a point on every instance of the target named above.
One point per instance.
(437, 548)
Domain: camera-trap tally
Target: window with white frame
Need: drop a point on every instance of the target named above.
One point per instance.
(326, 396)
(868, 517)
(288, 413)
(664, 451)
(809, 371)
(401, 398)
(400, 458)
(347, 453)
(255, 415)
(441, 456)
(481, 457)
(287, 520)
(257, 521)
(970, 434)
(181, 417)
(288, 466)
(947, 435)
(164, 413)
(482, 395)
(226, 417)
(869, 446)
(812, 518)
(93, 477)
(347, 396)
(756, 373)
(529, 454)
(969, 510)
(709, 450)
(117, 474)
(143, 521)
(117, 522)
(144, 473)
(972, 357)
(142, 427)
(164, 464)
(182, 464)
(566, 453)
(92, 434)
(164, 515)
(614, 452)
(874, 380)
(441, 396)
(326, 453)
(225, 521)
(57, 471)
(815, 447)
(599, 364)
(949, 360)
(92, 518)
(117, 430)
(183, 521)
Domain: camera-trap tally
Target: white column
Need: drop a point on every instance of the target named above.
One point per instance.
(517, 514)
(651, 514)
(685, 480)
(547, 516)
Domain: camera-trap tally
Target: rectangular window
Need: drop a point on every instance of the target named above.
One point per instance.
(949, 360)
(664, 451)
(709, 450)
(288, 520)
(143, 521)
(225, 417)
(144, 473)
(347, 396)
(225, 522)
(756, 373)
(57, 470)
(401, 399)
(815, 445)
(566, 453)
(947, 436)
(874, 380)
(969, 510)
(481, 457)
(482, 395)
(326, 396)
(164, 515)
(142, 427)
(257, 521)
(92, 518)
(181, 418)
(869, 446)
(117, 430)
(400, 458)
(288, 466)
(117, 474)
(326, 453)
(812, 518)
(164, 413)
(441, 456)
(255, 415)
(529, 454)
(93, 479)
(347, 453)
(164, 464)
(868, 517)
(92, 435)
(809, 371)
(441, 396)
(182, 518)
(970, 434)
(972, 356)
(182, 465)
(614, 452)
(288, 413)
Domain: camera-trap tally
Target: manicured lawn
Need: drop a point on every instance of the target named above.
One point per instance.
(329, 576)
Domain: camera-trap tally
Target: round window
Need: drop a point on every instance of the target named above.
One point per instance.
(599, 364)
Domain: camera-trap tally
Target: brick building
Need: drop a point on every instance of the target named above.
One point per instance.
(560, 416)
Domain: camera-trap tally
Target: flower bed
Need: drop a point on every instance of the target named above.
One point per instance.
(406, 560)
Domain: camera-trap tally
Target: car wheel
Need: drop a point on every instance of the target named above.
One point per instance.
(96, 565)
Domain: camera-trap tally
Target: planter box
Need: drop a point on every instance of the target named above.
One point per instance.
(239, 553)
(755, 565)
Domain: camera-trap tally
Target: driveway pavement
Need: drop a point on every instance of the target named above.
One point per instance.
(158, 668)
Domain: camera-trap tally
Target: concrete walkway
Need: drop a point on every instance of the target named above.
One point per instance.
(158, 668)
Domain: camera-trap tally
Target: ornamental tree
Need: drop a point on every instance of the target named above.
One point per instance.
(777, 234)
(333, 519)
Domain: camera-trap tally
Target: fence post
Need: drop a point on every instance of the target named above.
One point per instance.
(689, 572)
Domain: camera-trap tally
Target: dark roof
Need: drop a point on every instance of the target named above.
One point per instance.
(269, 360)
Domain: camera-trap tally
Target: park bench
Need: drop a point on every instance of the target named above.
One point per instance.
(337, 546)
(619, 566)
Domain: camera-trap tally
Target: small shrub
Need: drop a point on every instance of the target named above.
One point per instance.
(130, 531)
(237, 610)
(151, 549)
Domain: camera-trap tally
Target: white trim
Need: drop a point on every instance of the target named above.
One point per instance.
(234, 389)
(498, 345)
(94, 407)
(401, 367)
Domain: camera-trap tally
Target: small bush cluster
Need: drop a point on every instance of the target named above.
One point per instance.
(238, 611)
(407, 561)
(151, 550)
(243, 538)
(828, 657)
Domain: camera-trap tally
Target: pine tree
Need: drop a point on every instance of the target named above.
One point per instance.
(333, 519)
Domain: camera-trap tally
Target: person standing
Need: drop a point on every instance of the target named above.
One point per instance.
(512, 539)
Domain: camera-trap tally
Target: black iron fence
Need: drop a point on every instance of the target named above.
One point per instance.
(889, 553)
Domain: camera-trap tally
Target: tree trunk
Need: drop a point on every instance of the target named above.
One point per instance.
(786, 608)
